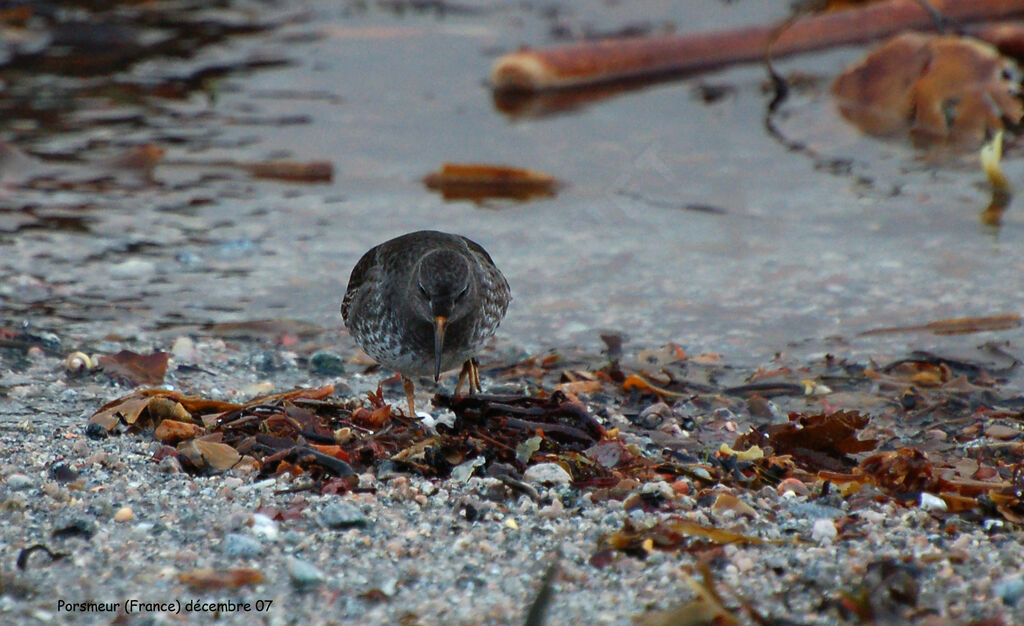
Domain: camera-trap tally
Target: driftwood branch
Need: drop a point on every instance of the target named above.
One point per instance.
(590, 63)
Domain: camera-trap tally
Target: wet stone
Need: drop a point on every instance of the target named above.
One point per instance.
(328, 363)
(342, 515)
(237, 545)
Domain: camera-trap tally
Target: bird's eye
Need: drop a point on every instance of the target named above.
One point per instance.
(423, 291)
(461, 293)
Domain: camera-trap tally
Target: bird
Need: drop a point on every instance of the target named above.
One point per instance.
(424, 302)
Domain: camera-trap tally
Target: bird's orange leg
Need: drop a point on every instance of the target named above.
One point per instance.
(410, 397)
(471, 372)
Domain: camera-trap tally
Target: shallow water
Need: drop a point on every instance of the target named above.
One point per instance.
(801, 258)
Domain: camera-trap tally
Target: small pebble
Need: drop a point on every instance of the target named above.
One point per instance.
(132, 268)
(303, 573)
(124, 514)
(659, 488)
(342, 515)
(553, 510)
(681, 487)
(184, 350)
(654, 415)
(265, 361)
(169, 465)
(794, 486)
(264, 527)
(327, 363)
(813, 510)
(547, 474)
(235, 544)
(1009, 590)
(930, 502)
(95, 431)
(824, 531)
(19, 482)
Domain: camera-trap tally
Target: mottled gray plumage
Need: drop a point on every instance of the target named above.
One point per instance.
(400, 289)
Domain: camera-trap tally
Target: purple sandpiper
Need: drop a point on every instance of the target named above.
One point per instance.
(422, 303)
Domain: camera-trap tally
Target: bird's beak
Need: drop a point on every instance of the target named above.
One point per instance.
(439, 325)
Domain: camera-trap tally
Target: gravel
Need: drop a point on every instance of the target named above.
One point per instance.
(404, 549)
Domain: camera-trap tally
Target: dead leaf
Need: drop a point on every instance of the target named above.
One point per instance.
(635, 382)
(292, 171)
(670, 534)
(939, 86)
(126, 410)
(202, 454)
(136, 369)
(816, 442)
(954, 326)
(729, 502)
(158, 404)
(669, 353)
(580, 386)
(173, 431)
(904, 471)
(473, 181)
(206, 578)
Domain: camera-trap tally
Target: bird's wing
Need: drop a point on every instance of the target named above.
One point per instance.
(360, 274)
(478, 250)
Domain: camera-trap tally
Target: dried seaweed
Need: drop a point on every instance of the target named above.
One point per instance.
(815, 442)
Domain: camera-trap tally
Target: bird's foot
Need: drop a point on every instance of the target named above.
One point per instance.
(469, 372)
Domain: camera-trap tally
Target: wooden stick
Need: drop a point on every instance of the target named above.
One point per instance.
(616, 59)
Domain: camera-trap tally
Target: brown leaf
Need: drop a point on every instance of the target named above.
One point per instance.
(317, 393)
(205, 578)
(729, 502)
(173, 431)
(635, 382)
(954, 326)
(580, 386)
(372, 418)
(940, 86)
(158, 404)
(901, 472)
(669, 353)
(292, 171)
(815, 441)
(202, 454)
(136, 369)
(127, 409)
(473, 181)
(669, 534)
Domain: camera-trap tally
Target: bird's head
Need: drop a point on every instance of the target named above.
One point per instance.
(443, 282)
